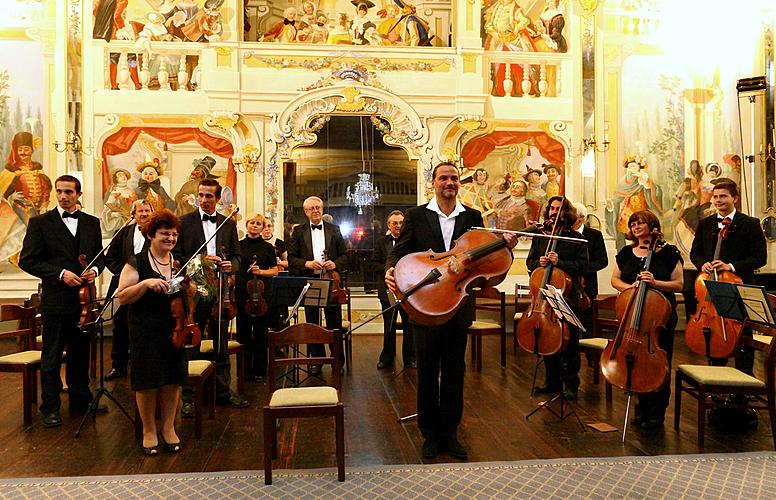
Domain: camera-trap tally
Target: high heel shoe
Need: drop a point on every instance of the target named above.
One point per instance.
(171, 447)
(151, 451)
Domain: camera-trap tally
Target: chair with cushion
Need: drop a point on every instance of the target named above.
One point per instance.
(27, 360)
(489, 300)
(202, 376)
(603, 319)
(705, 382)
(309, 401)
(232, 347)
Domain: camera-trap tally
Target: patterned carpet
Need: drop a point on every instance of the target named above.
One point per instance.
(745, 475)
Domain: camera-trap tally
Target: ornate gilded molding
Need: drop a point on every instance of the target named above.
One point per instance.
(337, 60)
(224, 120)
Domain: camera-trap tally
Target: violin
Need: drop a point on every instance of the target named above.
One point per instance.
(87, 298)
(256, 305)
(632, 360)
(433, 286)
(338, 294)
(540, 331)
(228, 309)
(182, 303)
(708, 333)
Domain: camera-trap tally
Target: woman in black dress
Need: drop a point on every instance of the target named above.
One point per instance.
(666, 277)
(277, 314)
(258, 258)
(158, 368)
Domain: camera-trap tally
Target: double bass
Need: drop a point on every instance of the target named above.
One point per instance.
(707, 332)
(633, 361)
(540, 331)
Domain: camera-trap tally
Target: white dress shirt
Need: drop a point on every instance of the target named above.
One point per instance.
(319, 242)
(209, 228)
(138, 239)
(72, 226)
(446, 222)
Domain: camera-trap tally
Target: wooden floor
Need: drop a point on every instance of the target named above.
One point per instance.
(494, 426)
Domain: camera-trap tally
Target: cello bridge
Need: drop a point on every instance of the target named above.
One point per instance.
(453, 265)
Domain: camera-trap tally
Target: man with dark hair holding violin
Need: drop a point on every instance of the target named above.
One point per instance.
(314, 248)
(571, 259)
(51, 250)
(196, 228)
(440, 350)
(743, 251)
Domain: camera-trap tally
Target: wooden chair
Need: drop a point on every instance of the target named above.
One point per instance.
(299, 402)
(26, 361)
(522, 304)
(347, 337)
(704, 382)
(232, 348)
(594, 347)
(202, 375)
(491, 300)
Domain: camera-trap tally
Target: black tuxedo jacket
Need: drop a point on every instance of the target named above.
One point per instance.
(49, 248)
(119, 252)
(383, 248)
(421, 231)
(744, 247)
(300, 249)
(572, 258)
(191, 236)
(596, 252)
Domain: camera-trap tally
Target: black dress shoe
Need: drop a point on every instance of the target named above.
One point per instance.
(187, 410)
(115, 373)
(234, 401)
(171, 447)
(52, 419)
(151, 451)
(546, 389)
(381, 365)
(430, 448)
(652, 423)
(455, 448)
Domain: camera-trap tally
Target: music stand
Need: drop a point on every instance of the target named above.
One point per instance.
(566, 316)
(741, 302)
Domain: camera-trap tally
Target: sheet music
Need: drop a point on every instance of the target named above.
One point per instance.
(561, 308)
(756, 303)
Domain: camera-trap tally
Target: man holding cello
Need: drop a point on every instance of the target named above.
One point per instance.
(440, 349)
(741, 252)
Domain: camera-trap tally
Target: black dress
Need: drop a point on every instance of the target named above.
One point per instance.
(653, 406)
(155, 362)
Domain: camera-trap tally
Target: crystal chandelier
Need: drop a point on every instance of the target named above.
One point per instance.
(364, 193)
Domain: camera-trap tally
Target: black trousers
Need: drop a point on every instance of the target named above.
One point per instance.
(441, 354)
(653, 405)
(60, 331)
(743, 358)
(252, 333)
(202, 315)
(389, 334)
(553, 364)
(119, 351)
(333, 322)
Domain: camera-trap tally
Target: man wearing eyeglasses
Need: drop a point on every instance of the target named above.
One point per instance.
(314, 248)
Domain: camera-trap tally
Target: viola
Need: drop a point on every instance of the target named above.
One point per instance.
(707, 332)
(633, 361)
(540, 331)
(256, 305)
(433, 286)
(228, 308)
(338, 293)
(87, 298)
(182, 303)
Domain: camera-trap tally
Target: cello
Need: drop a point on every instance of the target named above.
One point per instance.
(708, 333)
(633, 361)
(255, 305)
(540, 331)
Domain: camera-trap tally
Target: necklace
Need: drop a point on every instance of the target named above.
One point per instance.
(158, 265)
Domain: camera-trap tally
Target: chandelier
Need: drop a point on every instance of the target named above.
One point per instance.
(364, 193)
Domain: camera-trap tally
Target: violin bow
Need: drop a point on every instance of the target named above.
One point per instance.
(530, 235)
(107, 245)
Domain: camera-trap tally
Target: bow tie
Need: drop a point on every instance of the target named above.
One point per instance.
(319, 226)
(286, 21)
(154, 185)
(723, 220)
(209, 218)
(73, 215)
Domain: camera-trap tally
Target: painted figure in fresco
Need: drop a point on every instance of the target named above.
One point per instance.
(415, 32)
(388, 29)
(308, 17)
(712, 172)
(23, 182)
(149, 186)
(205, 26)
(734, 173)
(118, 203)
(509, 30)
(635, 192)
(340, 33)
(551, 27)
(362, 22)
(535, 191)
(517, 212)
(109, 24)
(285, 31)
(475, 195)
(686, 212)
(552, 185)
(320, 31)
(186, 197)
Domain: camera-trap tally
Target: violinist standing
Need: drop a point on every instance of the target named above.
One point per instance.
(667, 277)
(572, 259)
(197, 227)
(383, 248)
(742, 252)
(598, 260)
(258, 260)
(158, 367)
(305, 258)
(50, 252)
(277, 314)
(128, 242)
(440, 349)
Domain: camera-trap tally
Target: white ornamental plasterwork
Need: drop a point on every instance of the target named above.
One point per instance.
(560, 131)
(298, 123)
